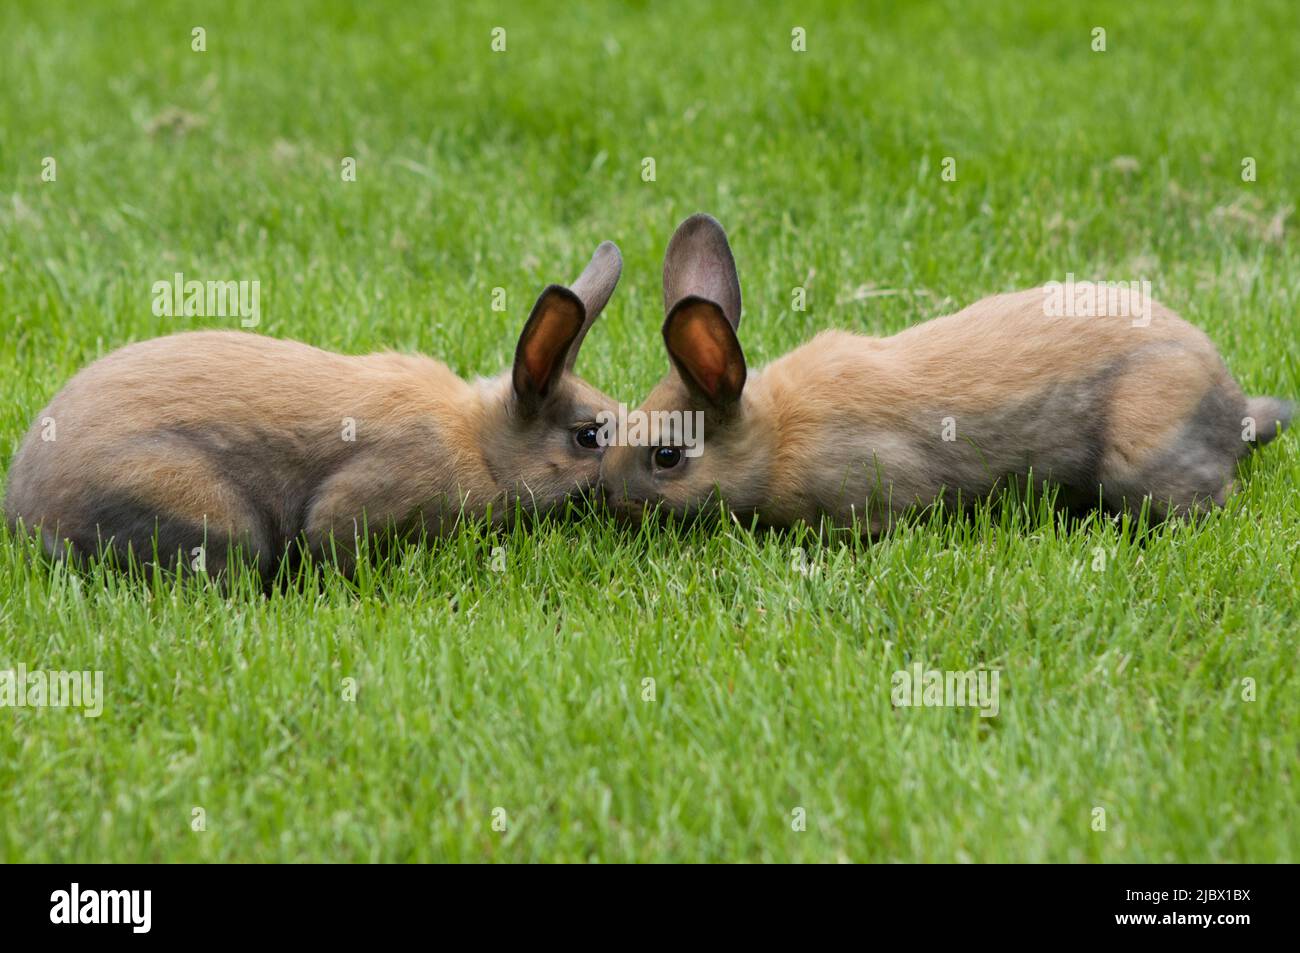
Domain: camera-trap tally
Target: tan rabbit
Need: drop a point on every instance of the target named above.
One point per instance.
(204, 440)
(853, 429)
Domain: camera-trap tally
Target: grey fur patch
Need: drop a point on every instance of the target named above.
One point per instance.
(276, 472)
(130, 529)
(1268, 413)
(1198, 466)
(1059, 435)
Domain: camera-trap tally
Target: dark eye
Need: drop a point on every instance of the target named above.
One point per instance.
(667, 457)
(587, 437)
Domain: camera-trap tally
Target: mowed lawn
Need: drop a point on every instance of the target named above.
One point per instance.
(1148, 680)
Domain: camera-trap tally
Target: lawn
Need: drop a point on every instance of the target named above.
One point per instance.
(449, 705)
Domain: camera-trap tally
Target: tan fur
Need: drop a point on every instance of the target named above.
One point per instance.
(850, 428)
(225, 438)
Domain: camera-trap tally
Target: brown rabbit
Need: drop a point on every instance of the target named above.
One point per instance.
(201, 441)
(853, 429)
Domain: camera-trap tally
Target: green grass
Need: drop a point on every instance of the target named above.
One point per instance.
(1121, 685)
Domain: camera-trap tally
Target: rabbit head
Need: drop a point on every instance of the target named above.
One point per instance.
(728, 454)
(540, 438)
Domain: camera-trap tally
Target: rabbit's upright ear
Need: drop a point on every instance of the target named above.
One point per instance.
(705, 350)
(698, 262)
(551, 334)
(593, 287)
(702, 310)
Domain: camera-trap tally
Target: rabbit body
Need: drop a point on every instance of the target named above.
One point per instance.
(1107, 411)
(202, 441)
(854, 430)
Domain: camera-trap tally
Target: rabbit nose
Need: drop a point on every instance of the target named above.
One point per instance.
(628, 512)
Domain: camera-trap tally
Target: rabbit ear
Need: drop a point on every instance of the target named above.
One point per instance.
(705, 350)
(549, 336)
(698, 262)
(593, 287)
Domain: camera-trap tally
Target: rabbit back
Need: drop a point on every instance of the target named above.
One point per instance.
(207, 440)
(1107, 410)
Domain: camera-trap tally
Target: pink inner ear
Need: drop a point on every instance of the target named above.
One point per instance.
(709, 369)
(699, 350)
(560, 321)
(539, 359)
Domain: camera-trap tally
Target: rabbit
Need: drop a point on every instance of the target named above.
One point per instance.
(850, 431)
(202, 441)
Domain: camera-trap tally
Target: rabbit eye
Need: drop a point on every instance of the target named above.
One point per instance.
(667, 457)
(587, 437)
